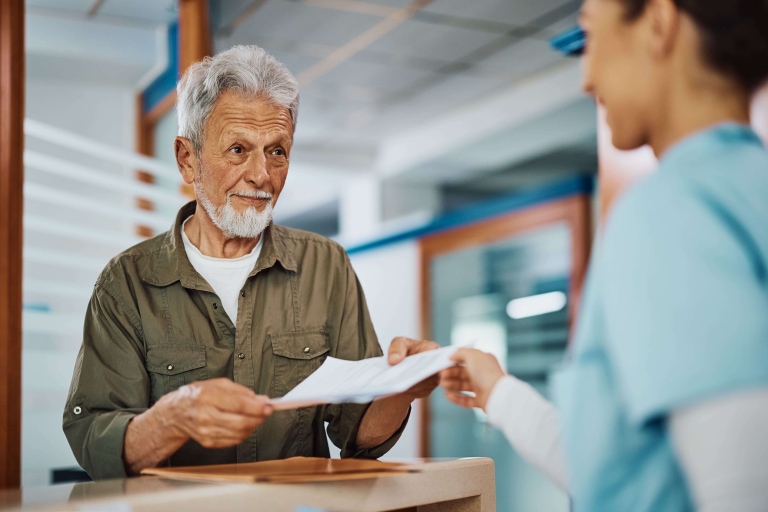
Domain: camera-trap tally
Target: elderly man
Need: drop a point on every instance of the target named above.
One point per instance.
(188, 333)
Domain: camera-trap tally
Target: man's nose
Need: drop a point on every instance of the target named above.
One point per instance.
(257, 172)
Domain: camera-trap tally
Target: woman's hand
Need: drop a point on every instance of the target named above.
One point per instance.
(479, 372)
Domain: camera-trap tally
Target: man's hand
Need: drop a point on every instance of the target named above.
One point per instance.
(386, 415)
(402, 347)
(479, 372)
(216, 413)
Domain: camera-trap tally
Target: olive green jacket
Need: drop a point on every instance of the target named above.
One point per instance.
(154, 324)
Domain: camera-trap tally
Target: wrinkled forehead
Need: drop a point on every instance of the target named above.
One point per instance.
(240, 114)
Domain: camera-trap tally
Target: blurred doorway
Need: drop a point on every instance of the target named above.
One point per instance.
(510, 285)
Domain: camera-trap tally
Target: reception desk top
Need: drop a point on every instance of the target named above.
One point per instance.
(456, 485)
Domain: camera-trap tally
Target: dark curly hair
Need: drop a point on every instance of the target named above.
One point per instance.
(734, 34)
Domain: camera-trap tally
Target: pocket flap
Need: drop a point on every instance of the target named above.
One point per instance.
(300, 344)
(174, 360)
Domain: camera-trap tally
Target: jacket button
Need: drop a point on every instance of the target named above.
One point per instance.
(242, 293)
(77, 410)
(241, 356)
(215, 306)
(170, 367)
(306, 350)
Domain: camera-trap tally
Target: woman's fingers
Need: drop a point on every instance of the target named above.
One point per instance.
(461, 355)
(479, 372)
(453, 372)
(455, 379)
(460, 399)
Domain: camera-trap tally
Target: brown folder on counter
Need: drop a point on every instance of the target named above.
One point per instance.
(293, 470)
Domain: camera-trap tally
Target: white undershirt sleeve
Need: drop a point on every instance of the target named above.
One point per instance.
(530, 424)
(722, 446)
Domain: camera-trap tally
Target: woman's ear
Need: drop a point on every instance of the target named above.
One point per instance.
(663, 18)
(186, 159)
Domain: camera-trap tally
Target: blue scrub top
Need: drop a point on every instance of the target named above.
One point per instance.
(675, 312)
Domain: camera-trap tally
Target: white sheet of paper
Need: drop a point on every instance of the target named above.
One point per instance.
(338, 381)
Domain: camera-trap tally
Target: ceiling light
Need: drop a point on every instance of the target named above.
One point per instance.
(535, 305)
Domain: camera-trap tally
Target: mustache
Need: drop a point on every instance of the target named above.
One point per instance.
(255, 194)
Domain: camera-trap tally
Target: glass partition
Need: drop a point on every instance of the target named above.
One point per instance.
(509, 297)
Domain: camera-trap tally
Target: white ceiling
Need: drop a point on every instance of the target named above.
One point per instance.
(449, 53)
(137, 12)
(118, 44)
(369, 71)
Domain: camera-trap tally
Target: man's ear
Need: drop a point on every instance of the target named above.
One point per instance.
(186, 159)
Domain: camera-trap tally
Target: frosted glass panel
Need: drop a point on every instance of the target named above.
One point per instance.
(474, 295)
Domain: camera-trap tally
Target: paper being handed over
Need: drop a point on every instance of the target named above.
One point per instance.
(338, 381)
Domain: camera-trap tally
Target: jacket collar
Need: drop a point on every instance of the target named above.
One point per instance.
(171, 263)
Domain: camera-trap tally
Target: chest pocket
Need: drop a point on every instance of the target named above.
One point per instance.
(171, 367)
(297, 355)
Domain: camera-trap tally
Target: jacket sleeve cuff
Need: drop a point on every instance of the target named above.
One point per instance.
(102, 455)
(350, 449)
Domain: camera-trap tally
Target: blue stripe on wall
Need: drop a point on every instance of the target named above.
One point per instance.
(583, 184)
(166, 82)
(570, 42)
(38, 307)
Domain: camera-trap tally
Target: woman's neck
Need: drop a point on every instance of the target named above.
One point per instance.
(690, 109)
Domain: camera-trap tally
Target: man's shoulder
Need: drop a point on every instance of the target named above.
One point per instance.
(307, 239)
(136, 261)
(302, 244)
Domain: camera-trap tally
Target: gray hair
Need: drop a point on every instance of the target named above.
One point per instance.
(248, 70)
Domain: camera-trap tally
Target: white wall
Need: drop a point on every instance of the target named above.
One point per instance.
(165, 134)
(390, 278)
(104, 112)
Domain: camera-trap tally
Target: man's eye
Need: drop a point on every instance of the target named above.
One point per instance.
(237, 150)
(277, 152)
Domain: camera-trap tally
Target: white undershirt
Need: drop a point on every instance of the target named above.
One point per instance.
(721, 444)
(225, 275)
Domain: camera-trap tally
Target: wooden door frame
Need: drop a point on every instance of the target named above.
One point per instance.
(11, 236)
(195, 43)
(574, 211)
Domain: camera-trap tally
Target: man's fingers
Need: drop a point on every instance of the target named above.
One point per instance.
(425, 345)
(429, 382)
(255, 406)
(229, 422)
(398, 349)
(425, 387)
(218, 428)
(231, 397)
(401, 347)
(218, 442)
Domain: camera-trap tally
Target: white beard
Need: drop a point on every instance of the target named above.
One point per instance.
(249, 224)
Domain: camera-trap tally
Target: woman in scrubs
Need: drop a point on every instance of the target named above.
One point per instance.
(663, 402)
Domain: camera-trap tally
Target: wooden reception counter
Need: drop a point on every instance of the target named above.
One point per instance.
(456, 485)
